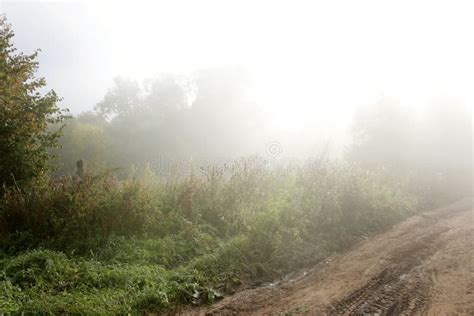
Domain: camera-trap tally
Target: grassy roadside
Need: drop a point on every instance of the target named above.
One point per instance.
(102, 246)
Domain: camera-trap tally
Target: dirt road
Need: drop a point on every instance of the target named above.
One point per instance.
(424, 265)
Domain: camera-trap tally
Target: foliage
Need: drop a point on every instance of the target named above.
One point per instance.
(24, 114)
(84, 137)
(434, 141)
(105, 246)
(207, 116)
(97, 245)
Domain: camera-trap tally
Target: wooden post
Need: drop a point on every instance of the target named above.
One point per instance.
(80, 168)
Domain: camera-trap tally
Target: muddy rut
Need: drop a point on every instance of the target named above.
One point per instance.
(423, 266)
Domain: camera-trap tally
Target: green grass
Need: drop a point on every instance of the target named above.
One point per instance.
(113, 247)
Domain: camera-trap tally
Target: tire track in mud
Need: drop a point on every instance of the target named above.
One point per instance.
(386, 294)
(400, 289)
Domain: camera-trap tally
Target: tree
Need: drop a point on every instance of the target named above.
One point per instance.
(224, 120)
(146, 120)
(434, 141)
(25, 114)
(121, 100)
(383, 135)
(84, 137)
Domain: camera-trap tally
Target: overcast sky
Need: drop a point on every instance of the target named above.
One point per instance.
(308, 58)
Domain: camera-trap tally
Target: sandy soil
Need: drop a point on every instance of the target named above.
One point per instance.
(423, 266)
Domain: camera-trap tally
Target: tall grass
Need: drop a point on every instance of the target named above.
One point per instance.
(105, 246)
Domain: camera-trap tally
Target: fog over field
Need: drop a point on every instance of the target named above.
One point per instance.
(236, 157)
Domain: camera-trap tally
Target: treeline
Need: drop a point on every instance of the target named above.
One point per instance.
(210, 117)
(170, 116)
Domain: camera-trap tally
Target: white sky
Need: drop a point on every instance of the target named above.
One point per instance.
(308, 58)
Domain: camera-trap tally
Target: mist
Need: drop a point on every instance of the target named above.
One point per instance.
(300, 72)
(179, 157)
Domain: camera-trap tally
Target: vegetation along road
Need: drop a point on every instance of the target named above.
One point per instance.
(424, 265)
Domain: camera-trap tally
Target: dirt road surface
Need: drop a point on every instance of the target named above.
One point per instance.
(423, 266)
